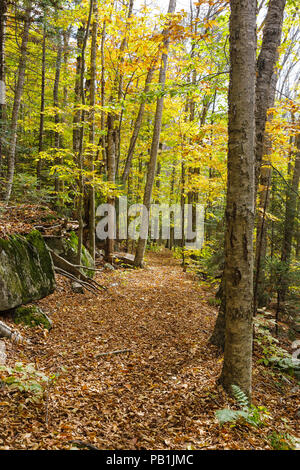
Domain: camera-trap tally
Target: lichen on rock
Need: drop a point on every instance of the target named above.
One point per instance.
(26, 270)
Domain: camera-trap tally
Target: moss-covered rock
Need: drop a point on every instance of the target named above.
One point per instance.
(26, 270)
(32, 315)
(67, 249)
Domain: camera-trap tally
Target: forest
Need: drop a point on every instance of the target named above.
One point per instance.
(150, 225)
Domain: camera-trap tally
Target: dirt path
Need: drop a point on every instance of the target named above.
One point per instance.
(162, 395)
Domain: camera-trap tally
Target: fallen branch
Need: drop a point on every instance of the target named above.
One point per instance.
(7, 332)
(85, 285)
(84, 444)
(70, 268)
(118, 351)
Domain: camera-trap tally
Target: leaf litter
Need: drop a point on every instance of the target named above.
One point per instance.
(160, 392)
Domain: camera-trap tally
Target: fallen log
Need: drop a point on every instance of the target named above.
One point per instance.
(118, 351)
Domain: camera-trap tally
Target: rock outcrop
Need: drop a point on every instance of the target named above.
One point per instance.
(26, 270)
(66, 248)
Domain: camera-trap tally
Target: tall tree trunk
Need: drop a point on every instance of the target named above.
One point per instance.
(264, 72)
(102, 141)
(261, 225)
(17, 101)
(93, 72)
(137, 126)
(289, 223)
(119, 87)
(237, 364)
(77, 91)
(265, 68)
(81, 136)
(3, 9)
(113, 140)
(42, 109)
(140, 251)
(56, 108)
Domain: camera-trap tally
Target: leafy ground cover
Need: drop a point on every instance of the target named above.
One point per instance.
(162, 394)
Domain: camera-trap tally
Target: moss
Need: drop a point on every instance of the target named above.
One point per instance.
(86, 259)
(32, 316)
(37, 241)
(26, 270)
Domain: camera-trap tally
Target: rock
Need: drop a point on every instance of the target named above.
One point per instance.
(77, 288)
(2, 353)
(108, 266)
(99, 254)
(26, 270)
(32, 316)
(67, 248)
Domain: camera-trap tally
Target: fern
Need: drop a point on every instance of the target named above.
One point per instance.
(240, 397)
(250, 413)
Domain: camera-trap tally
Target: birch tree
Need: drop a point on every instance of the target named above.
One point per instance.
(240, 198)
(140, 251)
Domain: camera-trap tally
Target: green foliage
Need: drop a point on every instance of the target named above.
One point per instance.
(25, 379)
(249, 413)
(25, 190)
(283, 441)
(276, 273)
(240, 397)
(272, 354)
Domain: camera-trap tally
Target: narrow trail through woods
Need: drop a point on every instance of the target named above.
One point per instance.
(162, 394)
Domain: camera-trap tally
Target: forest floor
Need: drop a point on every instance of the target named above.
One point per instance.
(160, 395)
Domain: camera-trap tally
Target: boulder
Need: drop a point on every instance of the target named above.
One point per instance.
(77, 288)
(26, 270)
(32, 315)
(67, 248)
(109, 266)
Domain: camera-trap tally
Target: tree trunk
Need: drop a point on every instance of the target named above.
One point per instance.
(3, 9)
(137, 127)
(42, 109)
(91, 218)
(140, 251)
(111, 174)
(264, 72)
(81, 136)
(266, 62)
(260, 298)
(289, 223)
(17, 101)
(237, 364)
(56, 107)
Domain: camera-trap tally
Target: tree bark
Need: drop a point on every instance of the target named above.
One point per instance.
(137, 126)
(140, 251)
(265, 68)
(91, 218)
(3, 9)
(289, 224)
(17, 101)
(81, 136)
(56, 107)
(237, 364)
(264, 72)
(42, 109)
